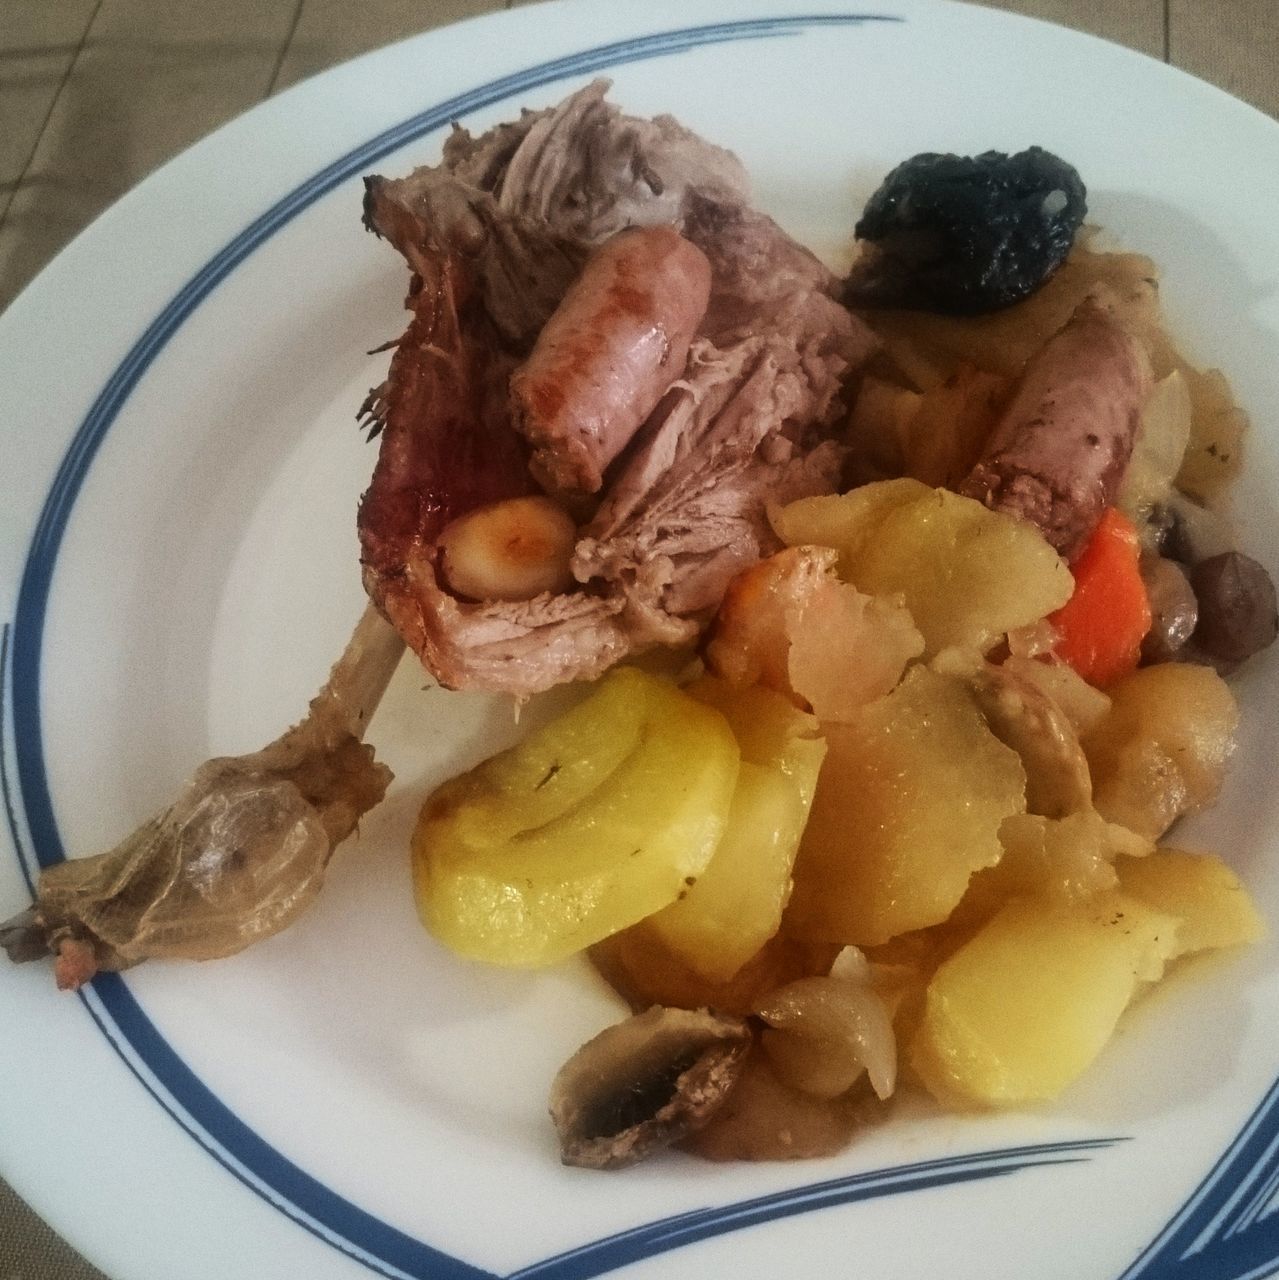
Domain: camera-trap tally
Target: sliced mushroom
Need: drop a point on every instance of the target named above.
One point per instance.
(645, 1083)
(1022, 716)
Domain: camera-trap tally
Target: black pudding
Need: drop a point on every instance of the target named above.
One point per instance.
(966, 234)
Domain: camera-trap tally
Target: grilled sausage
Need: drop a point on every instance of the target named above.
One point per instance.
(612, 348)
(1058, 454)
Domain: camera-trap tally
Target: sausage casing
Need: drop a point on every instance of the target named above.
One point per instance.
(1058, 454)
(608, 354)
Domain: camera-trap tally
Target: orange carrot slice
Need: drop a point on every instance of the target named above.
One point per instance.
(1102, 625)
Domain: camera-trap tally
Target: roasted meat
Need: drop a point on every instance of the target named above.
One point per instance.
(497, 388)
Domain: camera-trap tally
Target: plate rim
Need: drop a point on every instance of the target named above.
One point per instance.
(20, 642)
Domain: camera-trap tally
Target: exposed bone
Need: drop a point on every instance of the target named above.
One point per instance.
(238, 855)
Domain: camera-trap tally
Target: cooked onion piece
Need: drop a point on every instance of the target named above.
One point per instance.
(789, 623)
(825, 1032)
(765, 1119)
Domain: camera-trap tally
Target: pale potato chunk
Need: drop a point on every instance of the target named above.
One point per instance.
(588, 826)
(844, 521)
(1212, 904)
(1018, 1012)
(909, 805)
(967, 575)
(1161, 751)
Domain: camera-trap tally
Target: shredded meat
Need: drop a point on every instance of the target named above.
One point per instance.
(496, 236)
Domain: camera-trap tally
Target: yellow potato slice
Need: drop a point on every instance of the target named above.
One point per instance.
(732, 909)
(1018, 1012)
(1161, 750)
(1212, 904)
(966, 574)
(909, 804)
(593, 823)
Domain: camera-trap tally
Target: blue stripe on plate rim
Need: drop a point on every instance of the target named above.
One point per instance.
(1222, 1232)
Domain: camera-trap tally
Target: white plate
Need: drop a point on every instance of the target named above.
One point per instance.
(181, 467)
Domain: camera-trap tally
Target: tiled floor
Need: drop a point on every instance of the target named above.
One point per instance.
(94, 94)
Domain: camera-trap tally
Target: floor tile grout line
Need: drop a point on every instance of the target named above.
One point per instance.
(284, 48)
(48, 115)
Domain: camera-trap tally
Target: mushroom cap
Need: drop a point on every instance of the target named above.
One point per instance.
(644, 1084)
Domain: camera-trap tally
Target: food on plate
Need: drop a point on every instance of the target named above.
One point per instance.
(512, 550)
(1104, 625)
(1058, 455)
(966, 234)
(1022, 1008)
(1235, 606)
(539, 251)
(968, 695)
(240, 853)
(967, 575)
(596, 821)
(909, 807)
(961, 607)
(1161, 749)
(718, 923)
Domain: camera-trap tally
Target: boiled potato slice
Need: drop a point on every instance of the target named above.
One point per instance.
(909, 804)
(727, 914)
(1017, 1013)
(1064, 859)
(1161, 750)
(967, 575)
(1214, 908)
(844, 521)
(593, 823)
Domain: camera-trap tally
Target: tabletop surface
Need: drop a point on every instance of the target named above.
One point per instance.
(94, 94)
